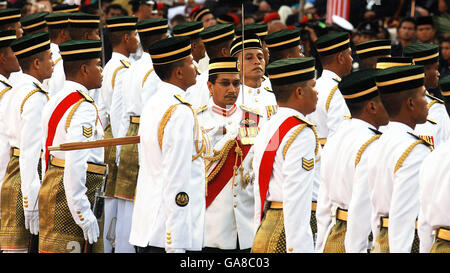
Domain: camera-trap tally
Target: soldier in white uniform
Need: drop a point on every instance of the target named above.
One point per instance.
(217, 40)
(434, 221)
(8, 64)
(335, 55)
(58, 24)
(342, 154)
(34, 23)
(169, 208)
(205, 16)
(20, 189)
(394, 162)
(445, 92)
(192, 30)
(150, 31)
(123, 39)
(253, 94)
(369, 52)
(72, 178)
(284, 159)
(438, 124)
(229, 200)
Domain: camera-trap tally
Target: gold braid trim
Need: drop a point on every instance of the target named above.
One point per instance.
(292, 138)
(4, 91)
(316, 151)
(406, 153)
(163, 123)
(330, 96)
(364, 147)
(431, 103)
(29, 95)
(113, 80)
(146, 76)
(72, 111)
(219, 155)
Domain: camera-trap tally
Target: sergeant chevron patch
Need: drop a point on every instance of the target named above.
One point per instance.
(308, 164)
(87, 132)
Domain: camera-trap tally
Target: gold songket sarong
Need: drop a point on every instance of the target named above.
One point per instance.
(313, 221)
(270, 237)
(58, 232)
(381, 244)
(336, 239)
(128, 168)
(110, 160)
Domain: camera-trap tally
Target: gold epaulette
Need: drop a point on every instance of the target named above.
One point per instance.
(264, 77)
(432, 121)
(86, 98)
(425, 139)
(405, 154)
(348, 117)
(434, 98)
(41, 89)
(200, 109)
(6, 89)
(57, 61)
(5, 83)
(297, 131)
(366, 144)
(37, 89)
(330, 96)
(305, 121)
(146, 76)
(182, 100)
(250, 110)
(268, 89)
(125, 63)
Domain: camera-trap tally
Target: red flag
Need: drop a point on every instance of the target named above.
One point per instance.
(338, 7)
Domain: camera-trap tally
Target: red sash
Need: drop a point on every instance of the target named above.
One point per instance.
(225, 174)
(56, 116)
(266, 166)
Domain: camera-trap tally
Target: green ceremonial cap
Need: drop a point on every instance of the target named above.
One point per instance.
(65, 8)
(197, 16)
(444, 83)
(34, 21)
(388, 62)
(223, 65)
(332, 43)
(8, 16)
(422, 54)
(7, 37)
(283, 39)
(31, 44)
(291, 70)
(373, 48)
(121, 23)
(57, 20)
(217, 34)
(152, 26)
(75, 50)
(400, 78)
(259, 29)
(189, 29)
(170, 50)
(359, 86)
(250, 41)
(225, 19)
(83, 20)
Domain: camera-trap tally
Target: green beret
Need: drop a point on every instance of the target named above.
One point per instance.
(422, 54)
(400, 78)
(34, 21)
(332, 43)
(31, 44)
(283, 39)
(75, 50)
(170, 50)
(388, 62)
(373, 48)
(217, 34)
(8, 16)
(189, 29)
(359, 86)
(291, 70)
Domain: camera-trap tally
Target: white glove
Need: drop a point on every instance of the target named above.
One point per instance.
(175, 250)
(90, 228)
(32, 221)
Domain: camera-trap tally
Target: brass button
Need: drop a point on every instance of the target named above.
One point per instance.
(168, 232)
(25, 197)
(26, 206)
(256, 100)
(235, 184)
(78, 211)
(235, 205)
(290, 249)
(249, 91)
(235, 194)
(25, 201)
(81, 219)
(169, 242)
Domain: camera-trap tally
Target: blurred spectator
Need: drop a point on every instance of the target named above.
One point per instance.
(425, 31)
(444, 62)
(275, 25)
(143, 9)
(114, 10)
(3, 4)
(177, 19)
(368, 30)
(406, 34)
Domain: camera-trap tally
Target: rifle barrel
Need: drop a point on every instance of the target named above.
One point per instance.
(96, 144)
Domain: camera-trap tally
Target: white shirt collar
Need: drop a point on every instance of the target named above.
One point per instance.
(330, 74)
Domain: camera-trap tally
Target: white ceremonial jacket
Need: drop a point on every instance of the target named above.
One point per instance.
(327, 121)
(75, 168)
(169, 208)
(395, 193)
(258, 98)
(24, 130)
(337, 174)
(434, 179)
(230, 215)
(5, 88)
(289, 183)
(56, 82)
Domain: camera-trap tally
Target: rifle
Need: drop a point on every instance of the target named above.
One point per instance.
(97, 207)
(95, 144)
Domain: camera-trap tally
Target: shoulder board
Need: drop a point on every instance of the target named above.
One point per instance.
(181, 99)
(250, 110)
(434, 98)
(37, 85)
(268, 89)
(264, 78)
(431, 121)
(348, 117)
(376, 131)
(5, 83)
(305, 121)
(426, 139)
(85, 96)
(125, 63)
(336, 80)
(200, 109)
